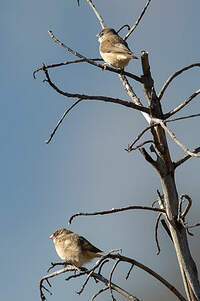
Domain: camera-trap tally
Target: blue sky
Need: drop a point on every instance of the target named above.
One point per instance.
(85, 167)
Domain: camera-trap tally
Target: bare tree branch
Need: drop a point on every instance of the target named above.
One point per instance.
(110, 279)
(170, 79)
(151, 272)
(63, 64)
(115, 210)
(182, 105)
(191, 226)
(163, 165)
(61, 120)
(106, 281)
(122, 77)
(91, 97)
(139, 136)
(64, 270)
(129, 148)
(92, 62)
(182, 118)
(97, 264)
(129, 271)
(163, 222)
(138, 20)
(156, 233)
(115, 287)
(96, 13)
(132, 95)
(53, 264)
(122, 27)
(184, 159)
(149, 159)
(99, 292)
(183, 215)
(83, 271)
(192, 154)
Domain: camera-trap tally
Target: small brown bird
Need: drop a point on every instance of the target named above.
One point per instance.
(113, 49)
(73, 248)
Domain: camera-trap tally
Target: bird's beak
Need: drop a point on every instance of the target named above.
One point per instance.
(97, 35)
(51, 236)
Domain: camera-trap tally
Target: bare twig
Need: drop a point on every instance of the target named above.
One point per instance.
(129, 271)
(191, 226)
(156, 233)
(63, 64)
(149, 159)
(53, 264)
(129, 148)
(96, 13)
(138, 20)
(172, 135)
(151, 272)
(91, 97)
(162, 206)
(75, 275)
(170, 79)
(105, 281)
(181, 106)
(90, 273)
(160, 199)
(122, 27)
(184, 159)
(61, 120)
(114, 210)
(132, 95)
(102, 264)
(164, 224)
(91, 61)
(99, 292)
(182, 118)
(154, 203)
(45, 278)
(114, 286)
(140, 135)
(98, 263)
(183, 215)
(110, 278)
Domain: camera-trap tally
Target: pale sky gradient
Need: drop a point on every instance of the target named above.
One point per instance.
(85, 168)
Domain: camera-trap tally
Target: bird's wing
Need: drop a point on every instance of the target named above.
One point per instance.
(87, 246)
(116, 45)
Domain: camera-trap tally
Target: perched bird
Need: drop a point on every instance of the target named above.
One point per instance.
(73, 248)
(113, 49)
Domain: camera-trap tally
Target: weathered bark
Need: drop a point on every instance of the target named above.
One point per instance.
(165, 168)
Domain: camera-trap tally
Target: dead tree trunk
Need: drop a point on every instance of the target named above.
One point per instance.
(166, 169)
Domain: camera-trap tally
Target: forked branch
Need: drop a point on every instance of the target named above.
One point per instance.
(91, 273)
